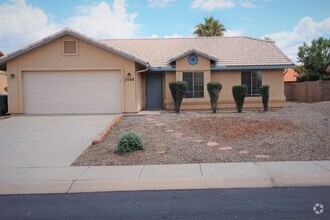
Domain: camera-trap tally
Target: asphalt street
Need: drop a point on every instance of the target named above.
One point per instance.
(255, 203)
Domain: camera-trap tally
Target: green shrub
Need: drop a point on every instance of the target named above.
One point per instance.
(239, 93)
(264, 91)
(178, 89)
(214, 89)
(128, 142)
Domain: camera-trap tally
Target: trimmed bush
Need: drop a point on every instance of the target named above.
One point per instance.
(178, 89)
(214, 89)
(128, 142)
(239, 93)
(264, 91)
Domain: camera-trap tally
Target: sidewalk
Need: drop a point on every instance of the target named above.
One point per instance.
(161, 177)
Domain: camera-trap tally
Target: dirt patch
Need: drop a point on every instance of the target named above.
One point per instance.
(233, 127)
(297, 132)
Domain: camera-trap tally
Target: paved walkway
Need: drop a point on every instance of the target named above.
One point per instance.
(159, 177)
(40, 141)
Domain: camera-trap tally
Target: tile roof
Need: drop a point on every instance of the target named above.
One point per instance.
(229, 51)
(290, 75)
(158, 52)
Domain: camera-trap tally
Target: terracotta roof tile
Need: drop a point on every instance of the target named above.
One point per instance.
(290, 76)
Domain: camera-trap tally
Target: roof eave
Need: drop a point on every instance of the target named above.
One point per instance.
(254, 67)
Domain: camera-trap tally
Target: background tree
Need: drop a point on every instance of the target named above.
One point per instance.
(267, 38)
(315, 59)
(211, 27)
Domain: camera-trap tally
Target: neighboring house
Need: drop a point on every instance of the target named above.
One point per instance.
(3, 79)
(290, 75)
(328, 69)
(72, 73)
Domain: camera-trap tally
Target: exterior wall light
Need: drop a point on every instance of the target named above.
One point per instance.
(12, 75)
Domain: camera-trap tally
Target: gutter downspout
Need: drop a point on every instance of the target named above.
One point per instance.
(140, 71)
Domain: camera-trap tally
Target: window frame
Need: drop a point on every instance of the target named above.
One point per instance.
(193, 84)
(251, 72)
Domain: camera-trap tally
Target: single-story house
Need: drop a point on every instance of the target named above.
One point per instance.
(69, 72)
(290, 75)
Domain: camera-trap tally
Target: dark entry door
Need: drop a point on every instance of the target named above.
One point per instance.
(154, 91)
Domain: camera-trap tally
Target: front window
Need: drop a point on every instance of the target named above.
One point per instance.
(253, 80)
(195, 82)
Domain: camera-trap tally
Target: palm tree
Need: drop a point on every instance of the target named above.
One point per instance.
(211, 27)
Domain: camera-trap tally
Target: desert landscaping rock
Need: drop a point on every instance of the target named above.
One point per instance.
(262, 156)
(297, 132)
(198, 141)
(243, 152)
(160, 124)
(212, 144)
(225, 148)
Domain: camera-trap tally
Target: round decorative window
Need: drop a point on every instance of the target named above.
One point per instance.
(193, 59)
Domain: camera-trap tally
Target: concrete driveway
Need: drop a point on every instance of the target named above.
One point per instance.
(47, 141)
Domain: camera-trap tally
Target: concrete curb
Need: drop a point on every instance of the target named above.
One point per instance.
(107, 129)
(164, 177)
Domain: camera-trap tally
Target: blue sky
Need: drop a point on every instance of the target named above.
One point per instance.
(288, 22)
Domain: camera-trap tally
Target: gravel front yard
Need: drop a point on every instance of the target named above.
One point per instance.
(299, 131)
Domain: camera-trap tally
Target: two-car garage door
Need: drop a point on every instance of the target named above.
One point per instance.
(72, 92)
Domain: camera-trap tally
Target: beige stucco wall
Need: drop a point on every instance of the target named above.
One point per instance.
(3, 82)
(49, 57)
(140, 88)
(273, 78)
(182, 65)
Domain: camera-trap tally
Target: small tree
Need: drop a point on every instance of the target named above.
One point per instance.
(239, 93)
(178, 89)
(214, 89)
(264, 91)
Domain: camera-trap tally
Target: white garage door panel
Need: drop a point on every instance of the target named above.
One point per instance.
(72, 92)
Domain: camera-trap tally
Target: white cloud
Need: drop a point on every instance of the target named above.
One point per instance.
(175, 35)
(160, 3)
(232, 33)
(104, 21)
(305, 31)
(22, 24)
(247, 4)
(154, 36)
(213, 4)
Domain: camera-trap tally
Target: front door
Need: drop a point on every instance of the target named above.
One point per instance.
(154, 91)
